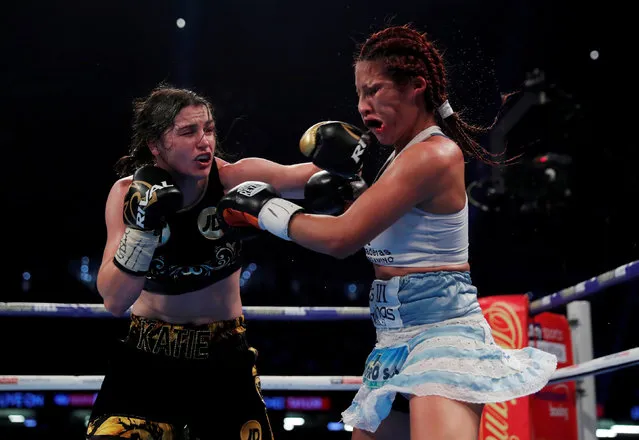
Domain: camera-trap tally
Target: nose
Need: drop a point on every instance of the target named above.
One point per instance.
(364, 107)
(204, 141)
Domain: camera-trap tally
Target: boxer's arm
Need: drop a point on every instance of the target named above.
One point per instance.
(288, 180)
(417, 175)
(118, 289)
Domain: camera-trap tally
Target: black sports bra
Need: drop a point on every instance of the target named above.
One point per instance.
(193, 251)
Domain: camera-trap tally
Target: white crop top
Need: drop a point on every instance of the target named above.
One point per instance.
(419, 238)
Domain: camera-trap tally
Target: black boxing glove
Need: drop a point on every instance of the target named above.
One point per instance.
(256, 205)
(335, 146)
(331, 194)
(151, 197)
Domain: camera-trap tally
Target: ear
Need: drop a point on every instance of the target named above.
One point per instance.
(419, 84)
(153, 147)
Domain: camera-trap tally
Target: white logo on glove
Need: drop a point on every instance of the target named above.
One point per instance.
(250, 189)
(359, 150)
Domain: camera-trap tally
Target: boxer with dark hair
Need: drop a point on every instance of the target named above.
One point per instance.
(168, 263)
(435, 363)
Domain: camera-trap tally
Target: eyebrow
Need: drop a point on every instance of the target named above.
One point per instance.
(194, 125)
(368, 85)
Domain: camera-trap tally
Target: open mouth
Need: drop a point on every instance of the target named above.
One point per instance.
(375, 125)
(204, 158)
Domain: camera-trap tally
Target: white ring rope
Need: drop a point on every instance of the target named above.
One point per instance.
(267, 313)
(623, 273)
(600, 365)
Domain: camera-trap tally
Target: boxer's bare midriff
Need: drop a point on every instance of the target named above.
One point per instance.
(388, 272)
(218, 302)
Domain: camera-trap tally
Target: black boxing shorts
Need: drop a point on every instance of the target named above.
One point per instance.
(181, 382)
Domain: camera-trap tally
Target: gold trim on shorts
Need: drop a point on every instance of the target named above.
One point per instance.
(131, 428)
(180, 341)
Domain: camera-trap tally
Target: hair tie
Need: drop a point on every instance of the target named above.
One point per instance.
(445, 110)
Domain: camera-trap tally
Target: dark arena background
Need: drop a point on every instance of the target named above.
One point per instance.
(560, 215)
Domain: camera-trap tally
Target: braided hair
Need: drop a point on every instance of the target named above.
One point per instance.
(406, 54)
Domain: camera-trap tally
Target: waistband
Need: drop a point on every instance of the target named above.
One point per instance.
(422, 298)
(181, 341)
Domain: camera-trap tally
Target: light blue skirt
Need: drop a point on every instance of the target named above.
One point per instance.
(438, 343)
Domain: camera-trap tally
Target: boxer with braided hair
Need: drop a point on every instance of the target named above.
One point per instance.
(406, 54)
(435, 363)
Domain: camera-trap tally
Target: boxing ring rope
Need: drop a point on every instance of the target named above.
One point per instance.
(623, 273)
(600, 365)
(596, 366)
(254, 313)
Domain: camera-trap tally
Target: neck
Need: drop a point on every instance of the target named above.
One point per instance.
(420, 125)
(192, 189)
